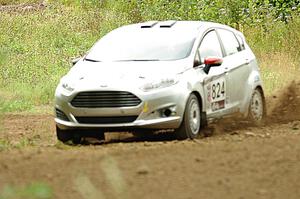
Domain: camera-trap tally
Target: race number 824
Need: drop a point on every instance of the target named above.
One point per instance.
(218, 90)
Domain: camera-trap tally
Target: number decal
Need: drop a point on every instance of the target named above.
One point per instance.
(216, 92)
(213, 94)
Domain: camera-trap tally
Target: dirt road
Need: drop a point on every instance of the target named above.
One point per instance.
(238, 161)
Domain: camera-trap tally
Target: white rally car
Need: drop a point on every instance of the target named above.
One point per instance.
(159, 75)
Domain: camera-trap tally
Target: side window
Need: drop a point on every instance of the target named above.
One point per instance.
(210, 46)
(241, 41)
(231, 44)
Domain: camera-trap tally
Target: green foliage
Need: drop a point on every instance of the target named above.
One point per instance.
(37, 46)
(4, 145)
(231, 12)
(22, 143)
(9, 2)
(80, 3)
(275, 36)
(15, 105)
(32, 191)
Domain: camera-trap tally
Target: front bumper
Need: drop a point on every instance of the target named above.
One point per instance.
(161, 123)
(150, 113)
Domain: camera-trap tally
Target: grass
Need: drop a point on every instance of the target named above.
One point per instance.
(36, 53)
(35, 190)
(37, 45)
(13, 2)
(277, 51)
(4, 145)
(20, 144)
(278, 70)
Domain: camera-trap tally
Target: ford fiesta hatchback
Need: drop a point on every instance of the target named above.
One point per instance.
(159, 75)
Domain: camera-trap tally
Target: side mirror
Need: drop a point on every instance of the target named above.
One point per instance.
(75, 60)
(211, 62)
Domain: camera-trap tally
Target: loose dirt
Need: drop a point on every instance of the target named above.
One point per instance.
(237, 161)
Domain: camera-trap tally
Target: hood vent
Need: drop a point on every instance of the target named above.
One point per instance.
(149, 24)
(167, 24)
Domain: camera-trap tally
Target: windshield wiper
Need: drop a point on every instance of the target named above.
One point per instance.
(91, 60)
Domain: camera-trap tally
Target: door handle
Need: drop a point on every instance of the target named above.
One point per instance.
(247, 61)
(226, 70)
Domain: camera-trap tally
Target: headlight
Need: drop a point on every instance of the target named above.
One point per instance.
(159, 84)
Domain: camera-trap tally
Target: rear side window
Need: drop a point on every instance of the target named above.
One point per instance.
(241, 41)
(230, 42)
(210, 46)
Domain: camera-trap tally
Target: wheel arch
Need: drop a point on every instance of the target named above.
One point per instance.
(259, 87)
(203, 113)
(254, 82)
(197, 94)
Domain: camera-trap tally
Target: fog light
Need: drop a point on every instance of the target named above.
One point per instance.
(167, 112)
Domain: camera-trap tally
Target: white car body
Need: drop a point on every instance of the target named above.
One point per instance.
(159, 89)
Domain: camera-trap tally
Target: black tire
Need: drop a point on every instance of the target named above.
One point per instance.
(191, 123)
(76, 135)
(257, 108)
(92, 133)
(76, 139)
(143, 133)
(63, 135)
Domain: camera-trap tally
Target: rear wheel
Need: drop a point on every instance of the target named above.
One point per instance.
(191, 123)
(257, 107)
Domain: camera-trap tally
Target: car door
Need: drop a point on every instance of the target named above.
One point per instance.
(237, 69)
(215, 81)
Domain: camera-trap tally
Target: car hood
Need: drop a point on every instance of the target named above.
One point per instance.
(125, 73)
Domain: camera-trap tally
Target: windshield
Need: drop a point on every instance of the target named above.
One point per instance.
(146, 45)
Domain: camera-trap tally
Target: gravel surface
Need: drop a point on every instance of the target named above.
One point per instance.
(237, 161)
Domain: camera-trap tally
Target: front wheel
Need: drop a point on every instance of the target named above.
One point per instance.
(257, 108)
(191, 123)
(143, 133)
(63, 135)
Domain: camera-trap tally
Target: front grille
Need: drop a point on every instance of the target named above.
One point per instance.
(105, 99)
(61, 115)
(106, 120)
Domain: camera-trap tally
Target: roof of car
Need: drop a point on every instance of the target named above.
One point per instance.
(165, 25)
(177, 27)
(170, 24)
